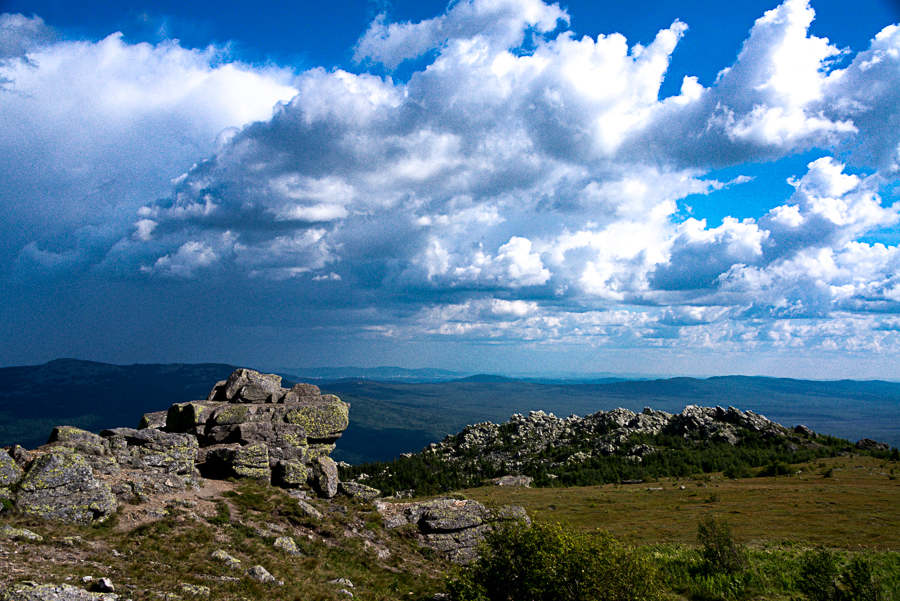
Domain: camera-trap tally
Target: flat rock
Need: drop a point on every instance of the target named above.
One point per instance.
(9, 533)
(359, 491)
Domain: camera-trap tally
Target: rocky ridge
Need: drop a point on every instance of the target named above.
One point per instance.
(606, 433)
(608, 446)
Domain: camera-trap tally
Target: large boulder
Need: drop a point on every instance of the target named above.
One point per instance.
(10, 472)
(60, 485)
(248, 461)
(151, 450)
(249, 386)
(452, 527)
(325, 477)
(867, 444)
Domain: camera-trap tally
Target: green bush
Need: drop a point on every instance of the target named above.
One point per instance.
(822, 579)
(818, 576)
(775, 468)
(549, 562)
(717, 547)
(859, 584)
(738, 470)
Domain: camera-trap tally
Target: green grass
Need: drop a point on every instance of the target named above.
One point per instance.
(855, 508)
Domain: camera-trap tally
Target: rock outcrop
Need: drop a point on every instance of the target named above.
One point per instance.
(452, 527)
(248, 427)
(251, 427)
(528, 442)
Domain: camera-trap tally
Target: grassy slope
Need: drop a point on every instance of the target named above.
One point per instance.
(854, 508)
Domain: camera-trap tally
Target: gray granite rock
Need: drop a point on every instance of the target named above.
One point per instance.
(10, 472)
(61, 486)
(51, 592)
(453, 527)
(359, 491)
(325, 477)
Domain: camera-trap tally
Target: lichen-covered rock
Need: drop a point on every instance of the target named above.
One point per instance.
(194, 590)
(153, 450)
(324, 417)
(249, 386)
(299, 391)
(82, 441)
(453, 527)
(259, 574)
(60, 486)
(250, 461)
(154, 419)
(304, 506)
(9, 533)
(359, 491)
(189, 417)
(21, 455)
(287, 544)
(291, 474)
(251, 411)
(325, 477)
(29, 591)
(10, 472)
(228, 560)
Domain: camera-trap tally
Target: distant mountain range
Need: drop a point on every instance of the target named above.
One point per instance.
(382, 374)
(395, 410)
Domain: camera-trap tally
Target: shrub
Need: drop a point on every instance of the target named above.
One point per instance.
(548, 562)
(775, 468)
(818, 576)
(717, 547)
(859, 585)
(738, 470)
(822, 579)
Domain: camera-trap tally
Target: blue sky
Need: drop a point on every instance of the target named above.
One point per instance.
(491, 185)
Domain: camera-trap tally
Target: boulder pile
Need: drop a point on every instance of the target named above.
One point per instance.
(248, 427)
(251, 427)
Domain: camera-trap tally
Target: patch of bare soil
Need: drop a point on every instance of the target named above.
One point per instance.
(200, 500)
